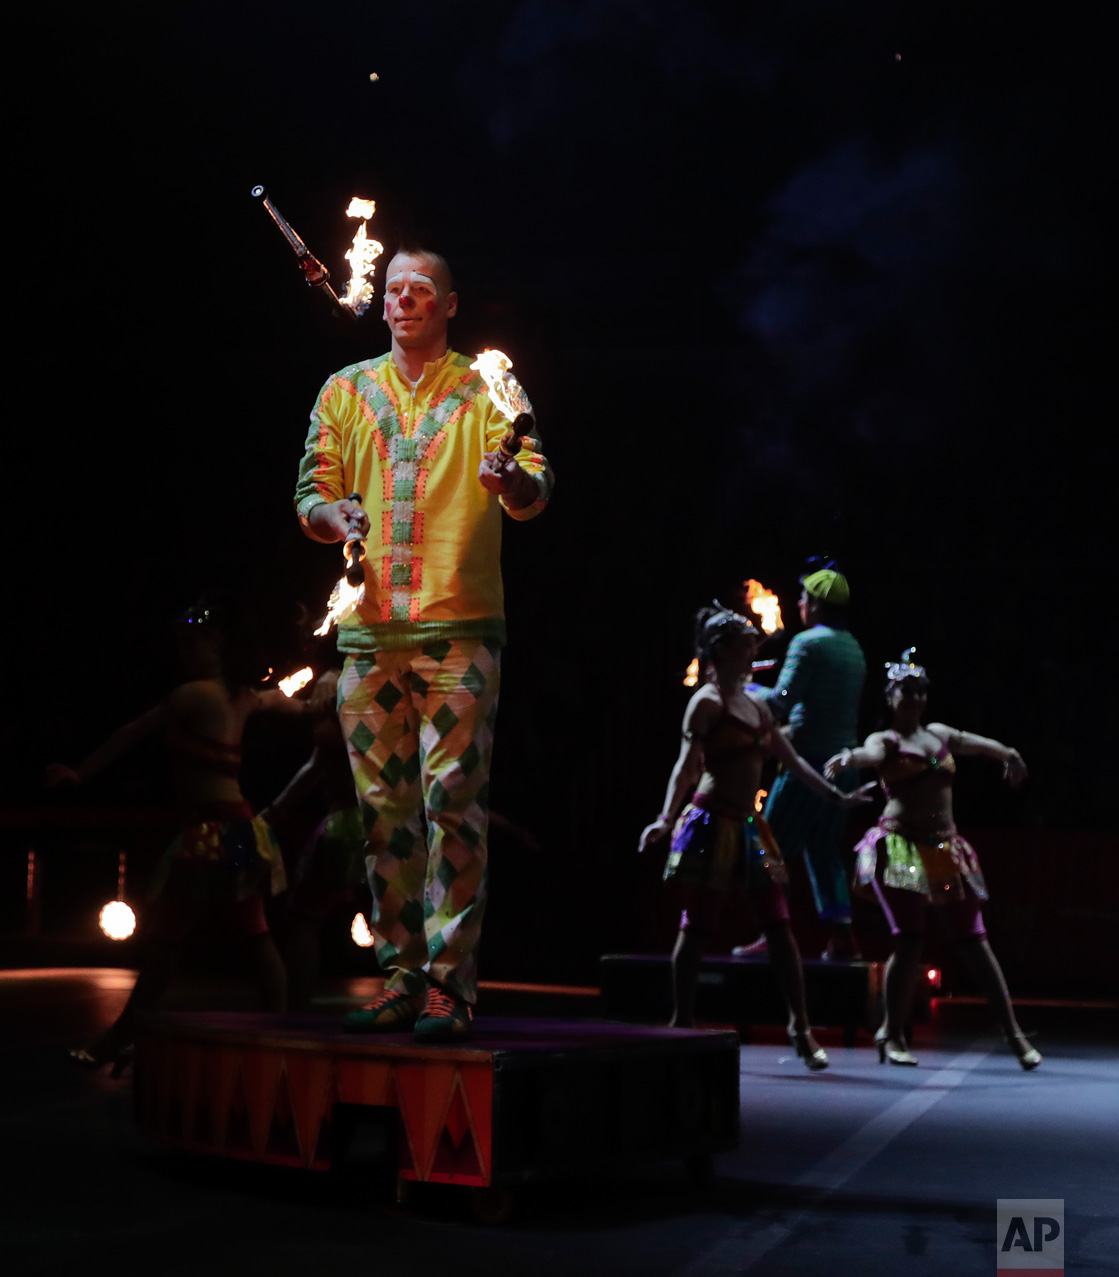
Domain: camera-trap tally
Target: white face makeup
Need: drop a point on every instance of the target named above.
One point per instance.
(417, 306)
(414, 277)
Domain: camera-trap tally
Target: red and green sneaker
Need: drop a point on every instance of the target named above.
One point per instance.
(443, 1018)
(390, 1012)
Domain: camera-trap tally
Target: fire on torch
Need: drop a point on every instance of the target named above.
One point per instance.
(349, 592)
(508, 397)
(362, 256)
(296, 682)
(765, 606)
(691, 676)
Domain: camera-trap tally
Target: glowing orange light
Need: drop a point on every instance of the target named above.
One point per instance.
(505, 390)
(290, 685)
(359, 932)
(117, 920)
(362, 257)
(759, 799)
(691, 678)
(764, 605)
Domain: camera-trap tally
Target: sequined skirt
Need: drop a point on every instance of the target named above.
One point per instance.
(226, 853)
(717, 847)
(936, 865)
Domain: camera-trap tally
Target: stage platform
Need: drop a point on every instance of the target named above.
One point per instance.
(520, 1100)
(743, 991)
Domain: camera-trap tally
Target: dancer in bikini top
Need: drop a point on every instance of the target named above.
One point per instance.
(222, 853)
(720, 841)
(915, 856)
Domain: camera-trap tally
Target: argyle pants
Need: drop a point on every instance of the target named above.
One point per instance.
(419, 730)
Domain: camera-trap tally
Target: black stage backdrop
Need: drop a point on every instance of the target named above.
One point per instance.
(808, 278)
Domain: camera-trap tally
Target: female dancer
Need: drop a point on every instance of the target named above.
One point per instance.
(224, 858)
(720, 842)
(914, 856)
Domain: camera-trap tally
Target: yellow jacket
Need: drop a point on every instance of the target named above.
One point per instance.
(432, 568)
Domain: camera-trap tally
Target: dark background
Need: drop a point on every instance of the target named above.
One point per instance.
(808, 278)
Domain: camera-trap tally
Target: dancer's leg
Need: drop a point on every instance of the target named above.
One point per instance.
(686, 957)
(984, 966)
(160, 964)
(902, 970)
(702, 909)
(784, 957)
(988, 975)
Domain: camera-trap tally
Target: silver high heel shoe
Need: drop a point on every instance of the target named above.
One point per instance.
(1028, 1057)
(893, 1050)
(808, 1049)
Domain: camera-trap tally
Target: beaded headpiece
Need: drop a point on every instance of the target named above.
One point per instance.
(907, 667)
(721, 625)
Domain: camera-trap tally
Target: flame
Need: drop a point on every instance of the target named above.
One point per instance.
(344, 599)
(505, 390)
(765, 605)
(759, 799)
(290, 685)
(117, 920)
(691, 678)
(359, 932)
(362, 257)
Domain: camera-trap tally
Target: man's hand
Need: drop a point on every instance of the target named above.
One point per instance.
(338, 520)
(499, 473)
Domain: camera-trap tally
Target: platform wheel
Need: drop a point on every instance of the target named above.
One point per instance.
(700, 1168)
(492, 1206)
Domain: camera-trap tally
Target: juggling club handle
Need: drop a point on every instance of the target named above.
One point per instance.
(522, 424)
(354, 548)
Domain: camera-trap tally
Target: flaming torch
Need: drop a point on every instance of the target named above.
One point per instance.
(362, 257)
(350, 590)
(691, 676)
(764, 605)
(296, 682)
(508, 396)
(360, 933)
(314, 271)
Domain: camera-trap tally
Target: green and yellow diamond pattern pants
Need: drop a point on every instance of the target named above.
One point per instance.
(419, 729)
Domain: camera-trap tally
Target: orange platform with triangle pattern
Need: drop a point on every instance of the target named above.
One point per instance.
(519, 1100)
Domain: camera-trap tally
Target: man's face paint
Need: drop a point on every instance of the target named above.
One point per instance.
(416, 306)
